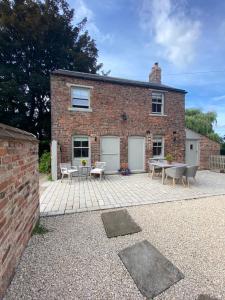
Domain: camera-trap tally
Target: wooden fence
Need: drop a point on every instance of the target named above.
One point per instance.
(217, 162)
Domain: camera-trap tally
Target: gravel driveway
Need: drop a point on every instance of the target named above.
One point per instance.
(75, 260)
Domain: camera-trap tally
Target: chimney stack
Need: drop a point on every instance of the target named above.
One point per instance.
(155, 75)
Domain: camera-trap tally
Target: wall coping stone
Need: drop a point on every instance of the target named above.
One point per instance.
(12, 133)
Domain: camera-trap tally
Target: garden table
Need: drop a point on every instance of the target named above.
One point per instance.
(84, 171)
(165, 165)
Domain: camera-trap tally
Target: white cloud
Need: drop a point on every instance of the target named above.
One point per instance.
(172, 29)
(82, 11)
(219, 98)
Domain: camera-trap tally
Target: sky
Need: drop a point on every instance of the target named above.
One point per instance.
(186, 38)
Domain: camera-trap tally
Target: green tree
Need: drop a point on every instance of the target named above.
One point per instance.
(37, 37)
(202, 123)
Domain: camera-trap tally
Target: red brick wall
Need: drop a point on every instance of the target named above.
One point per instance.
(207, 148)
(19, 197)
(108, 102)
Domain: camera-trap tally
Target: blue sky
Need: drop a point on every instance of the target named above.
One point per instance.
(187, 38)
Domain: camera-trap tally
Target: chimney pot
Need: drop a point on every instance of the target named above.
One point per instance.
(155, 75)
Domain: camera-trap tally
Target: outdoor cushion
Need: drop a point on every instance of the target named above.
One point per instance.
(96, 171)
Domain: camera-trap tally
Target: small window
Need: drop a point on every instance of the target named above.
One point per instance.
(80, 97)
(80, 147)
(191, 147)
(157, 103)
(158, 150)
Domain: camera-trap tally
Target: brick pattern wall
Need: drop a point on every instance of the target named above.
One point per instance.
(207, 148)
(19, 197)
(108, 102)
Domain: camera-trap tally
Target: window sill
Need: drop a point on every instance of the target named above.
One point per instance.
(80, 109)
(158, 115)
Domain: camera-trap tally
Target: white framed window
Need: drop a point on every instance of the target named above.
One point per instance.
(80, 98)
(81, 147)
(158, 103)
(158, 147)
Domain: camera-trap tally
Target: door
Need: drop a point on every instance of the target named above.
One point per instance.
(110, 153)
(136, 153)
(192, 152)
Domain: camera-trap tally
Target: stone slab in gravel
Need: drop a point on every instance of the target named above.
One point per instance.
(119, 222)
(206, 297)
(152, 272)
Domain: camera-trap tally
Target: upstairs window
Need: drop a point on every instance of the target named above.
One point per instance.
(158, 147)
(80, 98)
(157, 103)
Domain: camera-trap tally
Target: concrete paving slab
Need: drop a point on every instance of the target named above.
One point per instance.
(118, 223)
(152, 272)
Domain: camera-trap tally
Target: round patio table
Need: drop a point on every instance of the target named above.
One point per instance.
(84, 171)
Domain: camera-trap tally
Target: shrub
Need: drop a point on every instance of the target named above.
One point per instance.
(39, 229)
(45, 163)
(44, 146)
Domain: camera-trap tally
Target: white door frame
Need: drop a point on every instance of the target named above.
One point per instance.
(109, 136)
(144, 144)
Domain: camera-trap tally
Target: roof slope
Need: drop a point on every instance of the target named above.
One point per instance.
(122, 81)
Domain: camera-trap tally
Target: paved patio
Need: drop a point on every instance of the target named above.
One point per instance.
(120, 191)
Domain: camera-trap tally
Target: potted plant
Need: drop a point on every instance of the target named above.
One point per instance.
(124, 170)
(84, 162)
(169, 158)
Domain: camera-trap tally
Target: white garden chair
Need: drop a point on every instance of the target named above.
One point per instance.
(69, 170)
(98, 169)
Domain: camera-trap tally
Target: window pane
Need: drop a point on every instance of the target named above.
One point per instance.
(153, 107)
(77, 152)
(82, 103)
(156, 108)
(77, 143)
(84, 152)
(81, 93)
(159, 108)
(154, 151)
(84, 143)
(157, 147)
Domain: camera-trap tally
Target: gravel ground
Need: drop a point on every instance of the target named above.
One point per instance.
(75, 259)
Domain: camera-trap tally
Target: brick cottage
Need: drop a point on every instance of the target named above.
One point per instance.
(116, 120)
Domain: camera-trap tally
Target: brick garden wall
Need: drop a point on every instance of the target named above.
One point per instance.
(19, 197)
(207, 148)
(108, 102)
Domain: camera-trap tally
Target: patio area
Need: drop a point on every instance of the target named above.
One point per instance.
(121, 191)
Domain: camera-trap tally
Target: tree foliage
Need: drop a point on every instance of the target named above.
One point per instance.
(202, 123)
(37, 37)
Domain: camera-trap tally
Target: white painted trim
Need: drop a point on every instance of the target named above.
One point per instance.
(54, 160)
(144, 145)
(80, 109)
(163, 146)
(79, 85)
(163, 104)
(89, 99)
(89, 143)
(157, 115)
